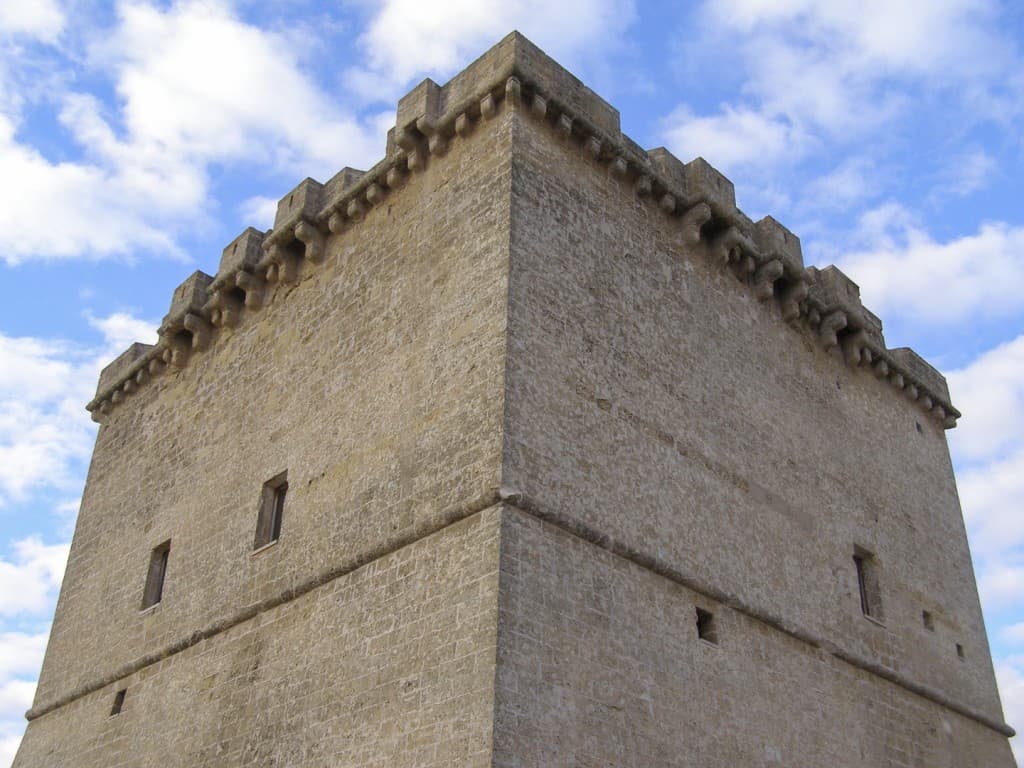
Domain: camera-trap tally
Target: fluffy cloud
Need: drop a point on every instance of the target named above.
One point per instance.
(40, 19)
(733, 138)
(196, 87)
(902, 268)
(990, 392)
(405, 38)
(29, 581)
(838, 70)
(20, 654)
(45, 433)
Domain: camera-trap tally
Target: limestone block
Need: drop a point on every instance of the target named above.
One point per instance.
(116, 370)
(244, 252)
(832, 289)
(188, 297)
(775, 241)
(671, 169)
(341, 182)
(706, 183)
(301, 202)
(423, 101)
(919, 369)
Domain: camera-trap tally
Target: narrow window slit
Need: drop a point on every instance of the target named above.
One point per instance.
(155, 576)
(867, 583)
(706, 629)
(928, 620)
(118, 702)
(268, 522)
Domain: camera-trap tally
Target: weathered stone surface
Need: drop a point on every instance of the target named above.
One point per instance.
(244, 252)
(538, 400)
(115, 371)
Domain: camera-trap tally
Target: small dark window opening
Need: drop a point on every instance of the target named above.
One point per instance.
(960, 652)
(867, 584)
(118, 702)
(155, 577)
(706, 629)
(929, 622)
(268, 524)
(918, 425)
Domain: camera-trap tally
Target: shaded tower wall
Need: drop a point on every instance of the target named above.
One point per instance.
(682, 393)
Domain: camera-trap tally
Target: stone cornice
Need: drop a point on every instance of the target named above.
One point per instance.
(700, 202)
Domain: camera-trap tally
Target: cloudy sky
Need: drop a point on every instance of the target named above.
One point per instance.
(137, 138)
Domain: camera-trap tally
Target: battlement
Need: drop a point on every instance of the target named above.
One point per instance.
(765, 256)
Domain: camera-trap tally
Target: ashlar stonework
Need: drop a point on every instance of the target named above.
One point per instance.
(524, 447)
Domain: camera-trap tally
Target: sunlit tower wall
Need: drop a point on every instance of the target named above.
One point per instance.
(524, 447)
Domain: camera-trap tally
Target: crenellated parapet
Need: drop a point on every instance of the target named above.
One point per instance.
(696, 199)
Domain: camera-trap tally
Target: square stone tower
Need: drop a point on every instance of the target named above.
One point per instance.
(525, 447)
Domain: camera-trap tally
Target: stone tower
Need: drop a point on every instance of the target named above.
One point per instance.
(523, 448)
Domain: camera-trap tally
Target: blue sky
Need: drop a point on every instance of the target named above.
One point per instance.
(138, 138)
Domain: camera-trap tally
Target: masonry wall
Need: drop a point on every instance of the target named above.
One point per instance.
(375, 380)
(600, 665)
(654, 405)
(390, 665)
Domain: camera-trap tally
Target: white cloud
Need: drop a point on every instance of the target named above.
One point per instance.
(990, 494)
(28, 582)
(731, 139)
(815, 72)
(21, 653)
(406, 38)
(196, 86)
(259, 212)
(41, 19)
(903, 270)
(990, 392)
(45, 433)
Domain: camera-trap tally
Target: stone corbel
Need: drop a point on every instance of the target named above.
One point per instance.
(667, 203)
(227, 310)
(156, 366)
(313, 239)
(831, 324)
(463, 125)
(396, 177)
(253, 287)
(564, 126)
(643, 186)
(437, 144)
(513, 91)
(854, 349)
(881, 368)
(356, 209)
(729, 245)
(593, 147)
(619, 167)
(765, 277)
(200, 330)
(693, 220)
(176, 352)
(488, 107)
(791, 298)
(375, 194)
(336, 222)
(539, 106)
